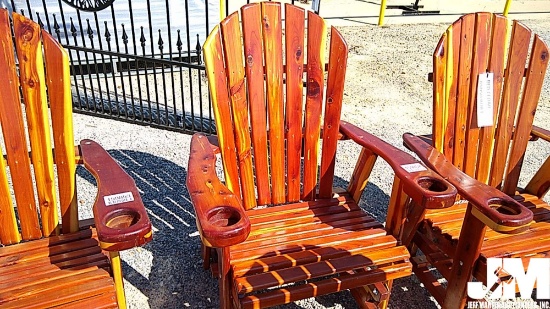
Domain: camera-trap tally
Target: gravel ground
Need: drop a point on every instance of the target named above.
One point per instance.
(386, 93)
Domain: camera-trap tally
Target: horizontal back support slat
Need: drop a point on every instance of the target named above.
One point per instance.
(31, 74)
(11, 118)
(59, 90)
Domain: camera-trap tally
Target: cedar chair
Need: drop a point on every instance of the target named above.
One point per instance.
(274, 234)
(483, 163)
(44, 263)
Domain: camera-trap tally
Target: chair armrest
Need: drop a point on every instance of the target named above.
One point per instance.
(491, 206)
(425, 187)
(120, 217)
(221, 219)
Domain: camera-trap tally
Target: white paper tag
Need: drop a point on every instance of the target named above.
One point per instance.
(485, 100)
(413, 167)
(118, 198)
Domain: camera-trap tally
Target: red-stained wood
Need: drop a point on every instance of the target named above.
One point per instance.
(33, 87)
(439, 61)
(498, 40)
(59, 85)
(217, 81)
(333, 107)
(480, 59)
(254, 70)
(517, 55)
(316, 42)
(530, 97)
(273, 57)
(467, 24)
(451, 88)
(233, 54)
(294, 70)
(11, 118)
(361, 174)
(540, 183)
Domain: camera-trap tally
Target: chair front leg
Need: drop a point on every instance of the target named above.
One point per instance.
(467, 253)
(224, 277)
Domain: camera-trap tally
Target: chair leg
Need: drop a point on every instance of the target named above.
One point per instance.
(467, 253)
(372, 296)
(117, 276)
(224, 278)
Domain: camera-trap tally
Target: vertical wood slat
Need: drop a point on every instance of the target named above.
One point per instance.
(530, 97)
(252, 37)
(316, 42)
(479, 65)
(234, 66)
(465, 60)
(217, 82)
(9, 233)
(496, 66)
(439, 63)
(11, 118)
(294, 51)
(273, 40)
(31, 74)
(517, 56)
(59, 90)
(333, 106)
(451, 96)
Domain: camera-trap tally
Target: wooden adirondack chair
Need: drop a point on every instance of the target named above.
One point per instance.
(483, 163)
(44, 263)
(275, 233)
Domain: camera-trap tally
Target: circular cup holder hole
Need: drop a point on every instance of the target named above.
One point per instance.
(223, 216)
(432, 184)
(122, 219)
(504, 207)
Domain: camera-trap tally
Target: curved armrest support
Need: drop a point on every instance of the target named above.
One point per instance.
(120, 217)
(538, 132)
(421, 184)
(494, 208)
(221, 219)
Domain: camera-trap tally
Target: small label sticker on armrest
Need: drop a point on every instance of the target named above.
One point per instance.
(485, 100)
(118, 198)
(413, 167)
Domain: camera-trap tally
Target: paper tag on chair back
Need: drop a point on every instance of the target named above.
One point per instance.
(472, 47)
(51, 260)
(272, 126)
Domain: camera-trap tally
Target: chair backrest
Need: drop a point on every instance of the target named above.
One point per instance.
(27, 138)
(476, 44)
(264, 124)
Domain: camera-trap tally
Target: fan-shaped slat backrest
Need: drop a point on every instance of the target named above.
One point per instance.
(34, 122)
(268, 137)
(473, 45)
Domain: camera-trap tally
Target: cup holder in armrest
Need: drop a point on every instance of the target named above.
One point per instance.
(223, 216)
(505, 207)
(432, 184)
(437, 192)
(504, 215)
(122, 218)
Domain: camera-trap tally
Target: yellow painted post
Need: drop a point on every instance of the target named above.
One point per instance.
(119, 283)
(507, 7)
(382, 12)
(222, 9)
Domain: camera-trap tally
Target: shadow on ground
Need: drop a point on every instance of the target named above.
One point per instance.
(176, 278)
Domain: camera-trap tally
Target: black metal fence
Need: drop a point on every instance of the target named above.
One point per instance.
(134, 60)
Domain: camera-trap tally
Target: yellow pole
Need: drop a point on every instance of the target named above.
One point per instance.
(507, 7)
(119, 283)
(382, 12)
(222, 9)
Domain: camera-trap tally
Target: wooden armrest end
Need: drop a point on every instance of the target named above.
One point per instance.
(425, 187)
(120, 217)
(494, 208)
(537, 132)
(221, 219)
